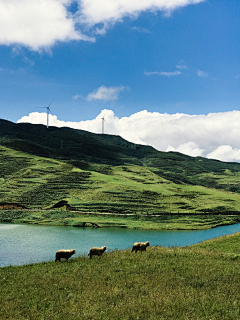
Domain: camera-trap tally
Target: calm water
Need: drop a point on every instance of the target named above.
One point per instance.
(22, 244)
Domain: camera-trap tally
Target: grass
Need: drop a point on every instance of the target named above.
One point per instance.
(197, 282)
(227, 244)
(40, 183)
(147, 222)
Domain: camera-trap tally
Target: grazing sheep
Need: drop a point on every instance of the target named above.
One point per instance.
(96, 251)
(140, 246)
(65, 254)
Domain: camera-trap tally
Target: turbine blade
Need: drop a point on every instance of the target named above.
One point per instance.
(50, 103)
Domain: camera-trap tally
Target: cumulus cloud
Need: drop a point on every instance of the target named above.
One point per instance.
(38, 24)
(225, 152)
(214, 135)
(163, 73)
(190, 148)
(111, 11)
(105, 94)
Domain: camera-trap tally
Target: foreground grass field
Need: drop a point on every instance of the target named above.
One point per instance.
(197, 282)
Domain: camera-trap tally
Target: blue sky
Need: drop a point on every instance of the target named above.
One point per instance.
(161, 72)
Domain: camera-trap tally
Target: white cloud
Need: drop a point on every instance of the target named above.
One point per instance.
(163, 73)
(111, 11)
(190, 148)
(104, 93)
(38, 24)
(77, 96)
(28, 62)
(225, 153)
(215, 135)
(181, 65)
(141, 29)
(202, 73)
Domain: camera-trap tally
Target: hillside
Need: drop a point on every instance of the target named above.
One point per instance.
(43, 168)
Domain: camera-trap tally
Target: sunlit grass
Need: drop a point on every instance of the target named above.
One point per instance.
(40, 183)
(147, 222)
(161, 283)
(227, 244)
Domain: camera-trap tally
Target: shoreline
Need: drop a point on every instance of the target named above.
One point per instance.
(109, 220)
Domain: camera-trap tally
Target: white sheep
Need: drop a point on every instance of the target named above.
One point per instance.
(65, 254)
(140, 246)
(96, 251)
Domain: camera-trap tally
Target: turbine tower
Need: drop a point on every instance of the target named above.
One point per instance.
(103, 125)
(48, 110)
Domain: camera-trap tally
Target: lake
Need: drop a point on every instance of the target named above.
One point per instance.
(23, 244)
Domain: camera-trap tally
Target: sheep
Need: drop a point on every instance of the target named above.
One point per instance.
(140, 246)
(96, 251)
(66, 254)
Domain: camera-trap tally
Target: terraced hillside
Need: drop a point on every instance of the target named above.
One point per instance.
(40, 183)
(45, 168)
(80, 148)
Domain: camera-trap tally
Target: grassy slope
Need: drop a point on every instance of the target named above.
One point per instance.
(40, 167)
(197, 282)
(38, 182)
(80, 147)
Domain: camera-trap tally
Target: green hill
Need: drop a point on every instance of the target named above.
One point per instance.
(44, 168)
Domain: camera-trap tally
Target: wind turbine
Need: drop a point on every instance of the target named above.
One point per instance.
(48, 110)
(103, 125)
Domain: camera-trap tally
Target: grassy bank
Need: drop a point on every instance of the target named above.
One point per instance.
(147, 222)
(197, 282)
